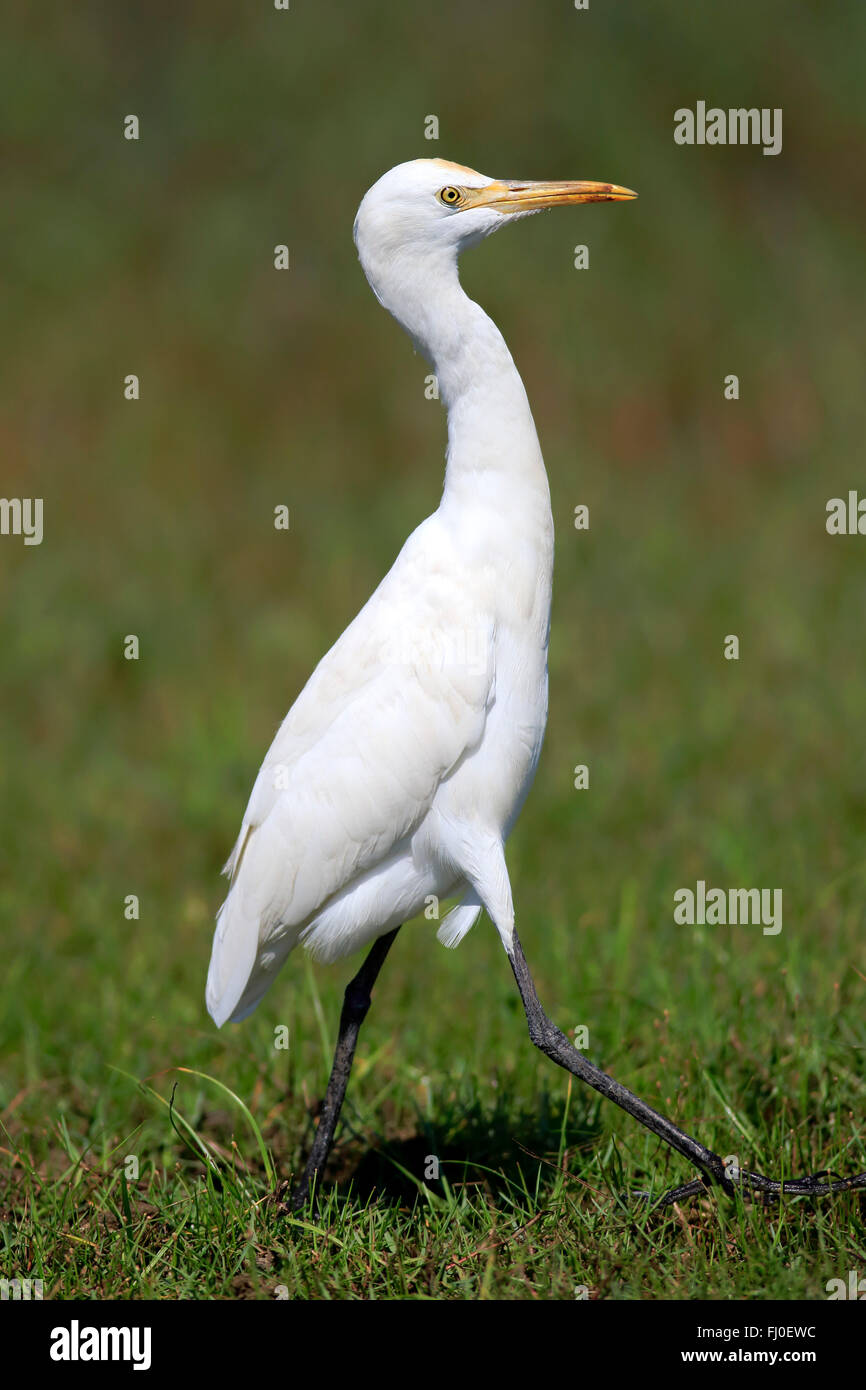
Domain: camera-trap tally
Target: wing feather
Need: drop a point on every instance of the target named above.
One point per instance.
(391, 709)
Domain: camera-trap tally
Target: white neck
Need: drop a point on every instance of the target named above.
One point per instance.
(492, 444)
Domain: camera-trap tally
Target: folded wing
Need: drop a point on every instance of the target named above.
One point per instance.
(399, 699)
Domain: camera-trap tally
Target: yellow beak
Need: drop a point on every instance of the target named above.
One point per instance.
(511, 196)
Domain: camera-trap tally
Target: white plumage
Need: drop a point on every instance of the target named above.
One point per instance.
(401, 767)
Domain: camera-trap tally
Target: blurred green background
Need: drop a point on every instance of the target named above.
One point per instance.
(260, 388)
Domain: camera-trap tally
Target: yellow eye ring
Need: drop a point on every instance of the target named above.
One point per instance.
(450, 196)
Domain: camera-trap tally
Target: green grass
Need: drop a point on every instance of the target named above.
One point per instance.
(707, 518)
(533, 1196)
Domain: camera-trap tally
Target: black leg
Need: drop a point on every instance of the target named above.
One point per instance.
(555, 1045)
(356, 1002)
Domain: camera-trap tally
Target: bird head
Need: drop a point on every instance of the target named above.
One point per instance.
(430, 206)
(420, 215)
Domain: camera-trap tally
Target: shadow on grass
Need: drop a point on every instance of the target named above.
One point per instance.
(469, 1143)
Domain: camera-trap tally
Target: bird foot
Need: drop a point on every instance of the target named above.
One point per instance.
(289, 1198)
(768, 1190)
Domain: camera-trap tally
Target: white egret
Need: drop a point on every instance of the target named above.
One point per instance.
(400, 769)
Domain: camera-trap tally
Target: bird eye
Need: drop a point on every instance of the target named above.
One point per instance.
(449, 196)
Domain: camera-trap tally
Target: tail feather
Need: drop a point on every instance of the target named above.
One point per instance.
(233, 961)
(459, 921)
